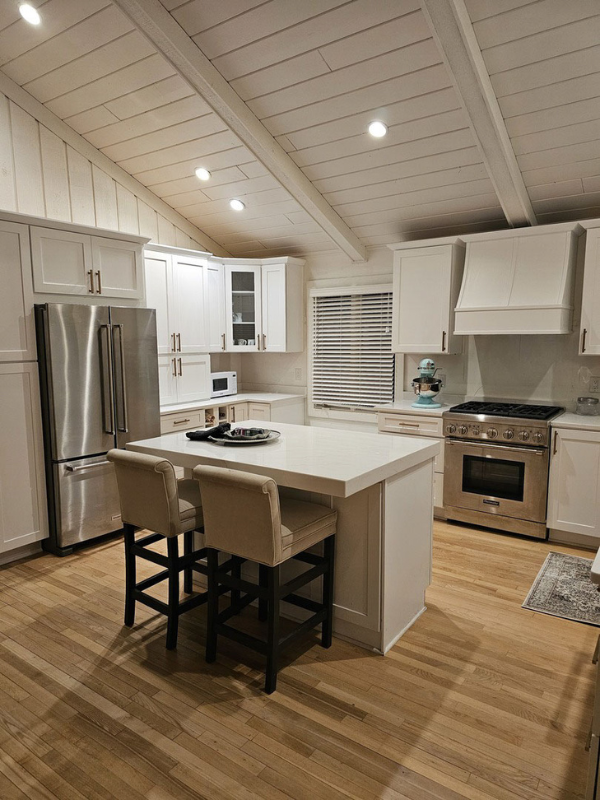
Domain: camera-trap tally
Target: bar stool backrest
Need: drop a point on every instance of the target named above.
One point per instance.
(147, 491)
(241, 513)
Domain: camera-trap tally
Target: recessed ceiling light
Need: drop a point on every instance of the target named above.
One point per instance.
(202, 173)
(237, 205)
(30, 14)
(377, 129)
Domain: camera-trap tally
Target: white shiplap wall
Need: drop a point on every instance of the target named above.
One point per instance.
(42, 175)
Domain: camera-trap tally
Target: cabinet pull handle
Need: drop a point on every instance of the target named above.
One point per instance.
(583, 338)
(99, 281)
(174, 367)
(180, 373)
(91, 277)
(222, 341)
(264, 341)
(179, 343)
(443, 341)
(555, 448)
(233, 413)
(173, 342)
(258, 341)
(180, 421)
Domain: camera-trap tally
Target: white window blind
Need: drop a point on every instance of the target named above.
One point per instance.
(352, 359)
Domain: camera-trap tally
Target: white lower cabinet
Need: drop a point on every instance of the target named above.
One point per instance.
(23, 516)
(183, 379)
(238, 412)
(260, 411)
(574, 488)
(17, 332)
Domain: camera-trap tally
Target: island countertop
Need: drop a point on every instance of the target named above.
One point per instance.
(329, 461)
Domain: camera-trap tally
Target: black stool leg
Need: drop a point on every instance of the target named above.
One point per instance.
(188, 546)
(263, 582)
(236, 572)
(273, 629)
(212, 562)
(327, 627)
(129, 539)
(173, 613)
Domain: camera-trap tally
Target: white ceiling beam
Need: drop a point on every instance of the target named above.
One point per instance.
(453, 32)
(164, 32)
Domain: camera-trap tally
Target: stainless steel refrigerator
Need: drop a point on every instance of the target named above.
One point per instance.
(99, 386)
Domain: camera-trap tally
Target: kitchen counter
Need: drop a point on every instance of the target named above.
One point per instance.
(382, 488)
(244, 397)
(404, 404)
(574, 421)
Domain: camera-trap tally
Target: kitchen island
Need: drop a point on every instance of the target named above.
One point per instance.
(382, 489)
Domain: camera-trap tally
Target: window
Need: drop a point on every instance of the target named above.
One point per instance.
(352, 364)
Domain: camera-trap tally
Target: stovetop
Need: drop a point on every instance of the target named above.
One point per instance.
(523, 411)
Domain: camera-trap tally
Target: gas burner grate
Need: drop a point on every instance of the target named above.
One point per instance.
(522, 410)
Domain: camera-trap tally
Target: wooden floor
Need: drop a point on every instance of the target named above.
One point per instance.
(480, 699)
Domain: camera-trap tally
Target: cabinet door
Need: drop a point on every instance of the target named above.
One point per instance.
(242, 307)
(238, 412)
(159, 289)
(274, 308)
(167, 379)
(574, 490)
(193, 378)
(260, 411)
(117, 268)
(22, 486)
(425, 282)
(17, 332)
(62, 262)
(188, 297)
(589, 340)
(214, 307)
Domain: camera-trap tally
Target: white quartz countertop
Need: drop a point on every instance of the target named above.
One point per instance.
(272, 398)
(571, 420)
(404, 405)
(324, 460)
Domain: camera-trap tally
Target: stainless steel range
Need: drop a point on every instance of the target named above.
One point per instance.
(496, 465)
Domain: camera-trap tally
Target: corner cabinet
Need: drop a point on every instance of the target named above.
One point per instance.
(589, 339)
(426, 288)
(264, 302)
(574, 488)
(66, 262)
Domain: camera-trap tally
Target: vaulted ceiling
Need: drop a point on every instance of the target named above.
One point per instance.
(493, 111)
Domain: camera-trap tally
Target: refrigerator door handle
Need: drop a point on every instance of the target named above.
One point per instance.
(122, 401)
(107, 370)
(71, 468)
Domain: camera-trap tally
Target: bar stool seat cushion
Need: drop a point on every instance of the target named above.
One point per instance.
(304, 524)
(190, 505)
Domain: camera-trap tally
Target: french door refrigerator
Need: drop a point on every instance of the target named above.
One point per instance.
(99, 387)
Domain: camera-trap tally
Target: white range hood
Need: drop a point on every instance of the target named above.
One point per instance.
(518, 283)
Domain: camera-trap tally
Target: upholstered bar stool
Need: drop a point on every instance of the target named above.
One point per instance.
(151, 497)
(245, 517)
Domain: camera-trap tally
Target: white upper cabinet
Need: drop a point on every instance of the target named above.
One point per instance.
(215, 306)
(188, 299)
(183, 378)
(574, 488)
(158, 291)
(426, 286)
(242, 307)
(17, 332)
(589, 339)
(77, 263)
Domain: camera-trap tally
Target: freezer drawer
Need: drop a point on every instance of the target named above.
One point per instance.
(86, 500)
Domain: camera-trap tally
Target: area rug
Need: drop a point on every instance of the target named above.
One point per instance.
(564, 588)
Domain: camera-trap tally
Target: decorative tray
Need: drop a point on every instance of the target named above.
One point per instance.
(243, 441)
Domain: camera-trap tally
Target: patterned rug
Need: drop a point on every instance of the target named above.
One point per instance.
(564, 589)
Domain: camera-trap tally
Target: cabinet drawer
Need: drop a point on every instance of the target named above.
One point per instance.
(412, 424)
(181, 422)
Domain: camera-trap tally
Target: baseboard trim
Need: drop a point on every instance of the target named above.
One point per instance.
(20, 552)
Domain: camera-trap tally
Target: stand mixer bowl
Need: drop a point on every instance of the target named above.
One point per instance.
(426, 386)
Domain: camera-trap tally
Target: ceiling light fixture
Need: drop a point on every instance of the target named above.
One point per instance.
(30, 14)
(377, 129)
(202, 174)
(237, 205)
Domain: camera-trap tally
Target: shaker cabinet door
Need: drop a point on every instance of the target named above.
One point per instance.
(117, 268)
(589, 338)
(193, 378)
(574, 489)
(188, 295)
(17, 331)
(159, 290)
(274, 311)
(214, 307)
(62, 262)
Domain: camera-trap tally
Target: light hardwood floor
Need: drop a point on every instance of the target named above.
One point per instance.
(480, 699)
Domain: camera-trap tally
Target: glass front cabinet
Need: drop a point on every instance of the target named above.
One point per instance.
(243, 307)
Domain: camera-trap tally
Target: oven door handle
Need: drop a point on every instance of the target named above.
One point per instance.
(530, 450)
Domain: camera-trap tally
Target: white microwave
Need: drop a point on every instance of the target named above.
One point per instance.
(223, 383)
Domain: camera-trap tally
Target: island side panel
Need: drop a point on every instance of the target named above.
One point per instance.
(406, 549)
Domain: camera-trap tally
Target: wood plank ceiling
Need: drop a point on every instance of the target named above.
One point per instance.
(315, 73)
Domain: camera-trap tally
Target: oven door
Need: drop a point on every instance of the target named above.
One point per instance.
(496, 479)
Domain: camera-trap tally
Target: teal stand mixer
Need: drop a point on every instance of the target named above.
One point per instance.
(426, 386)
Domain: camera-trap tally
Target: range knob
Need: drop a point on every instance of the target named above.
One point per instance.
(524, 436)
(538, 437)
(475, 430)
(492, 433)
(508, 433)
(462, 429)
(450, 428)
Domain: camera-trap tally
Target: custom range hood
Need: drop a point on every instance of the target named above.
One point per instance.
(518, 282)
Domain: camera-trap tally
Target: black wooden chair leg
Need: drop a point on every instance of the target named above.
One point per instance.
(212, 561)
(327, 627)
(273, 578)
(173, 604)
(188, 546)
(130, 572)
(263, 583)
(236, 572)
